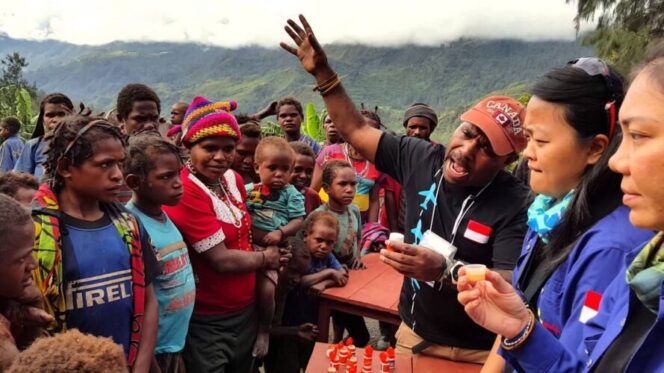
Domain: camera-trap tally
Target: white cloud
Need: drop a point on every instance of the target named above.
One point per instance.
(236, 23)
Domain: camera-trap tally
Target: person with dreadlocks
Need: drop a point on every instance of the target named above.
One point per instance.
(96, 264)
(51, 110)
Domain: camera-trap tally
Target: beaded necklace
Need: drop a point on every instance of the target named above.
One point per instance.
(346, 151)
(229, 201)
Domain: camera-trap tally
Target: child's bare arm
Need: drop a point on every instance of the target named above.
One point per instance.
(282, 233)
(306, 331)
(149, 332)
(315, 278)
(374, 205)
(292, 227)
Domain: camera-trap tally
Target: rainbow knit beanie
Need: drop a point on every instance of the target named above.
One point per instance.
(205, 118)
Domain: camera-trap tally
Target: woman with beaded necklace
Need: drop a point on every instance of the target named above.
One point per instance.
(214, 222)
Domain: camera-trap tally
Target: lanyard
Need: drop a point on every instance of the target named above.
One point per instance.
(467, 204)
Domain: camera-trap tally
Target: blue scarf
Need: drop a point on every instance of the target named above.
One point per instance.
(545, 213)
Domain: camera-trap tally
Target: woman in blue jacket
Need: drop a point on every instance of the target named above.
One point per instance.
(578, 228)
(621, 328)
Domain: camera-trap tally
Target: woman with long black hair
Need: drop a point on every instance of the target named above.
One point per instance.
(616, 328)
(578, 228)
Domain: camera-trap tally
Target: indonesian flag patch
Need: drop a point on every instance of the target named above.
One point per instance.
(590, 306)
(477, 232)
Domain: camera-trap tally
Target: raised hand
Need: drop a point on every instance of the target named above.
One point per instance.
(493, 304)
(308, 50)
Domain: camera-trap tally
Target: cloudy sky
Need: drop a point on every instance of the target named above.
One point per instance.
(236, 23)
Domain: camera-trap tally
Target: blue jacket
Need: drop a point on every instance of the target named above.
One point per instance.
(32, 157)
(9, 152)
(591, 267)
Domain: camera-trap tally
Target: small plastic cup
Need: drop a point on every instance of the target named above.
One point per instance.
(475, 272)
(395, 237)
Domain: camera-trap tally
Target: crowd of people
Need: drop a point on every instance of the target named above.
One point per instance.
(198, 244)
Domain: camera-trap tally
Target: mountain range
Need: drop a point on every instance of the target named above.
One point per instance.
(449, 77)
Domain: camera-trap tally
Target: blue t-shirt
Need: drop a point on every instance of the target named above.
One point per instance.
(98, 278)
(275, 210)
(315, 146)
(175, 286)
(300, 306)
(317, 265)
(32, 157)
(9, 152)
(97, 273)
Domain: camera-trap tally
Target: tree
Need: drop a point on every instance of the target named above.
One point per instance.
(12, 73)
(624, 28)
(16, 94)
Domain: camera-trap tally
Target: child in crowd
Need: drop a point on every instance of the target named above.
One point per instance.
(243, 161)
(16, 266)
(276, 206)
(12, 144)
(96, 264)
(320, 235)
(51, 110)
(138, 108)
(152, 171)
(303, 170)
(20, 186)
(369, 180)
(290, 346)
(72, 351)
(277, 211)
(339, 182)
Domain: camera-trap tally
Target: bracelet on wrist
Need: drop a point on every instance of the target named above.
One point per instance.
(331, 87)
(326, 84)
(519, 339)
(263, 262)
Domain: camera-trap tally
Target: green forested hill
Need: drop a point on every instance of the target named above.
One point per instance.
(449, 77)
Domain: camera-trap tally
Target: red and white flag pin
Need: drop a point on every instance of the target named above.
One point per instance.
(477, 232)
(590, 306)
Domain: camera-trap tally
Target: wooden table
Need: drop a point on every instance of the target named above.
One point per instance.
(404, 363)
(372, 292)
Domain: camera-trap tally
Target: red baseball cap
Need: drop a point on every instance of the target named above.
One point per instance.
(501, 119)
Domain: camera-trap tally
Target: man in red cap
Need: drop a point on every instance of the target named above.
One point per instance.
(459, 192)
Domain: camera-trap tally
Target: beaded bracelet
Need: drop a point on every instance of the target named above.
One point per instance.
(326, 84)
(516, 342)
(330, 88)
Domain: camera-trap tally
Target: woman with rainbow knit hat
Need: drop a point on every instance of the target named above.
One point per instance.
(214, 222)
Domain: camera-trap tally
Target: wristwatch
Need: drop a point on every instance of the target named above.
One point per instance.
(453, 271)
